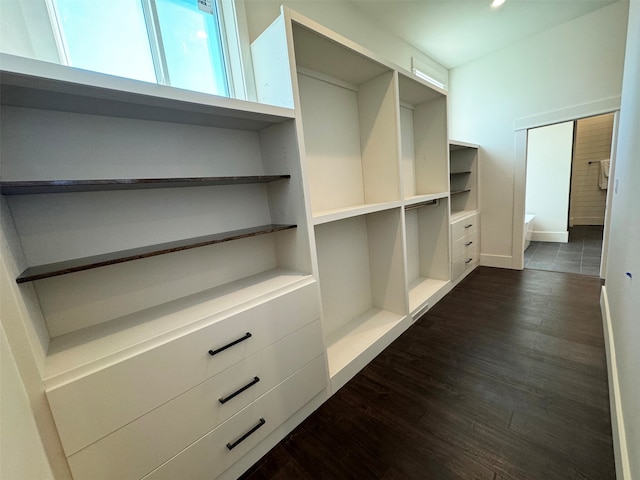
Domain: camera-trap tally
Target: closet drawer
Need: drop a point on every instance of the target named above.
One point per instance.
(467, 262)
(464, 247)
(93, 406)
(168, 429)
(464, 226)
(210, 456)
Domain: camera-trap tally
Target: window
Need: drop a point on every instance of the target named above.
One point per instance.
(182, 43)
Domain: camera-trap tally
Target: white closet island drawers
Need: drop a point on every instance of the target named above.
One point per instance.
(465, 245)
(166, 430)
(94, 405)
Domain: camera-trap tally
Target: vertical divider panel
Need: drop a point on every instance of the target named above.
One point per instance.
(379, 139)
(386, 259)
(431, 148)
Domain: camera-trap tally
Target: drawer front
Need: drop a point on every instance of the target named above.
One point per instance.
(209, 457)
(465, 247)
(93, 406)
(465, 226)
(165, 431)
(467, 262)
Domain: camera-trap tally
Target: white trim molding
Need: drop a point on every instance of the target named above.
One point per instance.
(621, 453)
(497, 261)
(559, 237)
(606, 105)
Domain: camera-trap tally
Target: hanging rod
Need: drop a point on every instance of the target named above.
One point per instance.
(422, 204)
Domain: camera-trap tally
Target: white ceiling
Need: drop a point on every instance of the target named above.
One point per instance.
(454, 32)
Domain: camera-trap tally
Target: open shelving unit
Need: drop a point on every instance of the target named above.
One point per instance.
(423, 130)
(347, 107)
(125, 181)
(362, 288)
(375, 158)
(463, 174)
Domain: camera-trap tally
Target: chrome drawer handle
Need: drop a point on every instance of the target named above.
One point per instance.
(235, 342)
(224, 400)
(469, 226)
(469, 260)
(467, 244)
(233, 445)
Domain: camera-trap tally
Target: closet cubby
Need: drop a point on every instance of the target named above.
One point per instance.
(348, 110)
(361, 276)
(140, 211)
(463, 174)
(423, 131)
(427, 247)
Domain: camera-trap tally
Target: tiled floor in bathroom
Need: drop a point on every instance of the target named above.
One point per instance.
(580, 255)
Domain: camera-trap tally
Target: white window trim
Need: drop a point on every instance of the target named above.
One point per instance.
(235, 43)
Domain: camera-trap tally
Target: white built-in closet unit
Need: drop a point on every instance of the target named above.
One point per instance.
(465, 214)
(200, 273)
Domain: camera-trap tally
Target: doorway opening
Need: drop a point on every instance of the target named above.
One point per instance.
(566, 194)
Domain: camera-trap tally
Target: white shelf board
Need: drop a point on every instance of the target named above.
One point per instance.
(353, 346)
(455, 216)
(414, 199)
(35, 84)
(458, 145)
(426, 291)
(83, 351)
(335, 214)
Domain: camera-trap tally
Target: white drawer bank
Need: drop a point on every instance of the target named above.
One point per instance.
(465, 248)
(125, 420)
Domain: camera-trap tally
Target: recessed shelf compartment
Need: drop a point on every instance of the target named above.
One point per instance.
(124, 170)
(99, 185)
(348, 113)
(361, 269)
(77, 265)
(74, 354)
(423, 129)
(427, 240)
(463, 177)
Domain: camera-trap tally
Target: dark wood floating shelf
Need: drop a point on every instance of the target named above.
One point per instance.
(459, 173)
(87, 263)
(455, 192)
(69, 186)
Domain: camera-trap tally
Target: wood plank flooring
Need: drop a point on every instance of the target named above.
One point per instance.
(505, 378)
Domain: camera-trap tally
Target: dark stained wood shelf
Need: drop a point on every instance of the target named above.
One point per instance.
(456, 192)
(69, 186)
(87, 263)
(460, 173)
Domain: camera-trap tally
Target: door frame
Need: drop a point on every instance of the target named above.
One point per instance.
(521, 127)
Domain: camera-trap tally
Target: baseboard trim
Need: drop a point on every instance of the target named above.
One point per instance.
(578, 221)
(497, 261)
(562, 237)
(620, 451)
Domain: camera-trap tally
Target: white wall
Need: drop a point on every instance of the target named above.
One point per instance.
(25, 30)
(624, 248)
(341, 17)
(21, 451)
(548, 178)
(573, 64)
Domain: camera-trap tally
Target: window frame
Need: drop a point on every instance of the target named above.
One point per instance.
(234, 36)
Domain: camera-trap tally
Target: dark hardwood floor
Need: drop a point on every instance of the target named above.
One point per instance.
(505, 378)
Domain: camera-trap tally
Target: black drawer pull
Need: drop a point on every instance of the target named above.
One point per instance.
(235, 342)
(469, 260)
(224, 400)
(469, 226)
(233, 445)
(467, 244)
